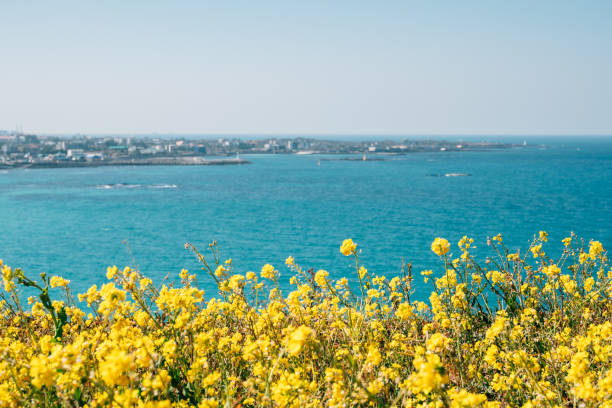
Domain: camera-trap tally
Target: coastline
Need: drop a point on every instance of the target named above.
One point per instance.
(157, 161)
(202, 161)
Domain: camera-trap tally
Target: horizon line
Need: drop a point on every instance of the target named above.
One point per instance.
(317, 134)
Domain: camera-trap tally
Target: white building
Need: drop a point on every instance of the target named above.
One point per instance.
(75, 154)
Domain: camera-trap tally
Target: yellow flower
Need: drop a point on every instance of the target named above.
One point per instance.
(465, 242)
(535, 250)
(429, 375)
(219, 271)
(208, 403)
(463, 398)
(145, 283)
(92, 295)
(182, 320)
(211, 379)
(541, 330)
(57, 281)
(321, 278)
(551, 270)
(496, 328)
(373, 356)
(348, 247)
(543, 236)
(437, 342)
(268, 272)
(236, 281)
(440, 246)
(161, 380)
(111, 272)
(297, 339)
(588, 284)
(375, 387)
(491, 356)
(115, 367)
(289, 261)
(404, 311)
(513, 257)
(373, 293)
(595, 248)
(42, 372)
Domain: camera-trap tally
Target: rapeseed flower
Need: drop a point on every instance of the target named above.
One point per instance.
(348, 247)
(440, 246)
(511, 332)
(297, 339)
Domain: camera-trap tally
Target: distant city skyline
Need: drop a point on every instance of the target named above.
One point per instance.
(317, 68)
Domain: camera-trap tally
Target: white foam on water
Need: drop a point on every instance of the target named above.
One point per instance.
(163, 186)
(120, 185)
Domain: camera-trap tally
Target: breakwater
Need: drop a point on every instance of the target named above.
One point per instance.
(156, 161)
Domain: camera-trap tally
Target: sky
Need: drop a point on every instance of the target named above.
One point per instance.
(307, 67)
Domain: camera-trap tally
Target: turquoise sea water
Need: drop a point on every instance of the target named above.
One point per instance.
(72, 222)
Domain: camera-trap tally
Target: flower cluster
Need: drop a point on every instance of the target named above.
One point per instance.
(518, 330)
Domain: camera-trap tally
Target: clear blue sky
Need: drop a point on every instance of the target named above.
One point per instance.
(330, 67)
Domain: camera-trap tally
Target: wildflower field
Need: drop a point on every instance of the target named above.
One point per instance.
(515, 329)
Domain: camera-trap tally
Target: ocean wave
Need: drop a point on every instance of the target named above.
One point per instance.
(118, 185)
(133, 186)
(450, 175)
(163, 186)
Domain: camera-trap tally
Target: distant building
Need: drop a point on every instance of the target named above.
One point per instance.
(94, 156)
(75, 154)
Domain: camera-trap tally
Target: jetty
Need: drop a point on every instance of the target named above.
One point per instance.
(150, 161)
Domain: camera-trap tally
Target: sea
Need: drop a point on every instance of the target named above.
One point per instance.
(75, 222)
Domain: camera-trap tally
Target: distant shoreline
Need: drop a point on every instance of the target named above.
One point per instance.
(157, 161)
(89, 153)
